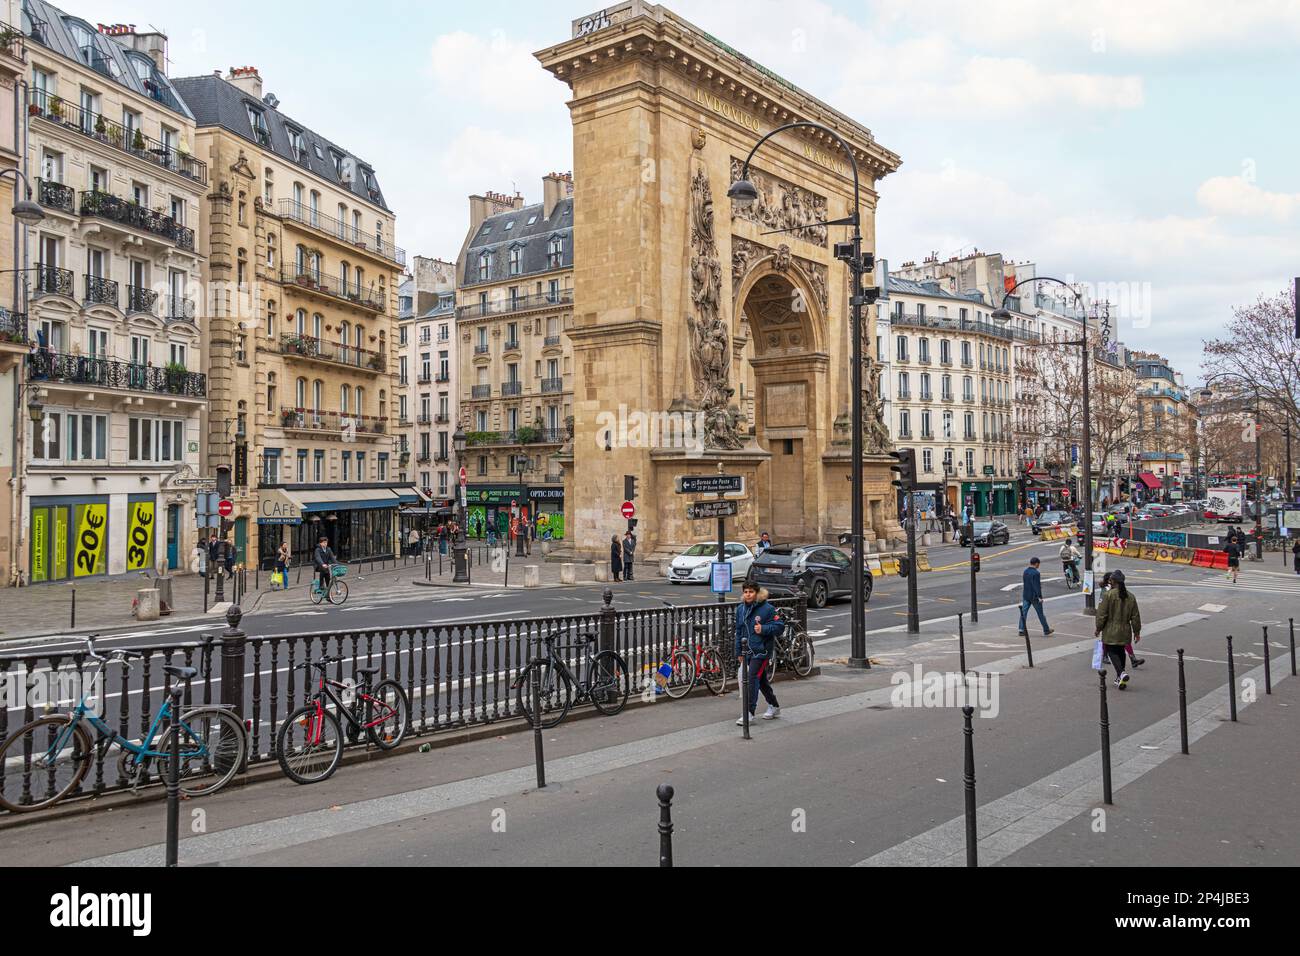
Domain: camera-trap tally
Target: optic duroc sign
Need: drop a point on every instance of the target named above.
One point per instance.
(711, 485)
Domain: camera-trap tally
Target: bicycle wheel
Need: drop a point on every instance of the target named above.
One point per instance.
(556, 692)
(316, 594)
(712, 671)
(683, 676)
(41, 763)
(308, 754)
(801, 654)
(388, 715)
(213, 747)
(608, 683)
(338, 592)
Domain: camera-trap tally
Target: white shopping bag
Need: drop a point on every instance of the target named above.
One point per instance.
(1098, 653)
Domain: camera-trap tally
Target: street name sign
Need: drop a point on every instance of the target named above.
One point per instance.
(710, 485)
(713, 509)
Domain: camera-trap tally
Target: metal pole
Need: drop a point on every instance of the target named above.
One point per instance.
(665, 794)
(974, 560)
(1232, 683)
(73, 623)
(1105, 742)
(1182, 701)
(722, 549)
(913, 610)
(857, 626)
(1029, 648)
(537, 727)
(1268, 671)
(961, 642)
(1259, 481)
(972, 838)
(174, 776)
(1292, 620)
(744, 690)
(1089, 599)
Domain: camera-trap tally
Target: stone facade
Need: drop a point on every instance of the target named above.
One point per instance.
(680, 302)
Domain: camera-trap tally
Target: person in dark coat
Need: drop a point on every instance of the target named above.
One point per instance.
(629, 555)
(757, 627)
(615, 558)
(1295, 554)
(1031, 595)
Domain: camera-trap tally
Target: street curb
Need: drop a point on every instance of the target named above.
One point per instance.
(269, 768)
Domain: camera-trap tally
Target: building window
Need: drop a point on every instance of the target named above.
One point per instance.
(86, 437)
(901, 343)
(554, 252)
(482, 464)
(484, 263)
(318, 466)
(927, 460)
(347, 466)
(945, 351)
(155, 440)
(516, 260)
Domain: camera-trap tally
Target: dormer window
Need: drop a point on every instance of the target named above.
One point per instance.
(510, 225)
(296, 145)
(516, 259)
(554, 252)
(484, 264)
(257, 121)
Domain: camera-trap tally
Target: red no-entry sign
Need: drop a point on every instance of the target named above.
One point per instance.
(628, 509)
(225, 507)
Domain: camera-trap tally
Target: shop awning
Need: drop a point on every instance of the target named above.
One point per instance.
(351, 499)
(1150, 480)
(411, 495)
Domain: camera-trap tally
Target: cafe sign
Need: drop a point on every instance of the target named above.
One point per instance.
(275, 507)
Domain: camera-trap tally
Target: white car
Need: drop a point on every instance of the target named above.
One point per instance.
(692, 565)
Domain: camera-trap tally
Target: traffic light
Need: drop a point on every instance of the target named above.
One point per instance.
(223, 481)
(906, 468)
(975, 562)
(629, 487)
(904, 568)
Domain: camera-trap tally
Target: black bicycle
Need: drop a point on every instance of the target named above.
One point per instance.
(607, 684)
(309, 744)
(792, 647)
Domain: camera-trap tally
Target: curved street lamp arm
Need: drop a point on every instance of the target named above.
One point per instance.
(18, 174)
(1077, 294)
(857, 195)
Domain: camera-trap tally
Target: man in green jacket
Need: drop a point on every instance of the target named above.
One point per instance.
(1118, 622)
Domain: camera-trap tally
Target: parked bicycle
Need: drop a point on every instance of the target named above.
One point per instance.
(337, 592)
(607, 683)
(695, 660)
(46, 760)
(309, 744)
(793, 647)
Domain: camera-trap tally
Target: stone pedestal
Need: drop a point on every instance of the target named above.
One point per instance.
(532, 576)
(568, 574)
(146, 604)
(602, 572)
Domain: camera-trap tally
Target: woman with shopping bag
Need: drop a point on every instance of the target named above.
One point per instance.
(1118, 623)
(281, 579)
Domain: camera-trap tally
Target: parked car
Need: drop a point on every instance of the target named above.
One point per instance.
(1050, 519)
(692, 565)
(823, 571)
(987, 533)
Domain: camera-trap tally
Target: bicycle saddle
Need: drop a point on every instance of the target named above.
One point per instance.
(180, 673)
(368, 671)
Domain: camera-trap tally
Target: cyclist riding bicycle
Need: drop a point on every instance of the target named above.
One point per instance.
(323, 559)
(1070, 558)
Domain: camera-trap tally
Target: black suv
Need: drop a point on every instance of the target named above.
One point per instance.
(824, 572)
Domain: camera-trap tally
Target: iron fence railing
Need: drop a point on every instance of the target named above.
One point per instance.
(309, 419)
(323, 350)
(101, 291)
(304, 214)
(329, 286)
(140, 299)
(455, 675)
(46, 366)
(115, 209)
(51, 280)
(13, 326)
(54, 195)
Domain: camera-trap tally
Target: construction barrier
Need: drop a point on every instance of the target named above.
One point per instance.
(1204, 558)
(889, 566)
(873, 565)
(923, 562)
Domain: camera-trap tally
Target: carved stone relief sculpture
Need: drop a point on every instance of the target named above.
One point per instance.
(782, 205)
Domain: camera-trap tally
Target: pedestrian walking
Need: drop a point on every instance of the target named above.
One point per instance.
(629, 555)
(1118, 625)
(281, 580)
(413, 539)
(757, 626)
(1031, 595)
(1233, 551)
(615, 558)
(1134, 660)
(1295, 555)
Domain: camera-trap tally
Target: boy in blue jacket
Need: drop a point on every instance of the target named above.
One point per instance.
(756, 627)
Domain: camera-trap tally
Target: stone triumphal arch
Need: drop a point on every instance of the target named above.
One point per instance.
(732, 322)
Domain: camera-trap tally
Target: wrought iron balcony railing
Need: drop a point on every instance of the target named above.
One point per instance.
(514, 304)
(49, 106)
(550, 386)
(510, 389)
(101, 291)
(309, 419)
(139, 299)
(115, 209)
(13, 327)
(51, 280)
(323, 350)
(551, 340)
(316, 219)
(328, 286)
(179, 308)
(481, 391)
(47, 366)
(54, 195)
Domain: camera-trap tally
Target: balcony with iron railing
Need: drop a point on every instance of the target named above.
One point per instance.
(519, 303)
(13, 327)
(48, 106)
(338, 229)
(521, 436)
(322, 350)
(424, 378)
(51, 280)
(511, 346)
(442, 378)
(101, 291)
(54, 195)
(482, 349)
(140, 299)
(551, 340)
(481, 391)
(106, 206)
(177, 308)
(551, 386)
(511, 389)
(424, 418)
(321, 420)
(58, 367)
(332, 288)
(442, 418)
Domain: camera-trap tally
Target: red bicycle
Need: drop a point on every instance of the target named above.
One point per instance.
(700, 661)
(309, 744)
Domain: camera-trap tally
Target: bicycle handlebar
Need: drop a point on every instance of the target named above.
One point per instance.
(122, 654)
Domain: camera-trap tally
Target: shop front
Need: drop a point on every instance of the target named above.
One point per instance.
(358, 521)
(990, 497)
(489, 507)
(548, 505)
(76, 537)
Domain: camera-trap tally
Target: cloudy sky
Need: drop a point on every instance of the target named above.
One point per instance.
(1148, 147)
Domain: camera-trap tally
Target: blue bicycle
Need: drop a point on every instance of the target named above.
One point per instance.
(336, 592)
(46, 760)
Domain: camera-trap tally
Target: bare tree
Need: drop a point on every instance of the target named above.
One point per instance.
(1260, 348)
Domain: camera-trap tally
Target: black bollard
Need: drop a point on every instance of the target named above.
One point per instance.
(972, 838)
(1268, 670)
(1029, 648)
(537, 727)
(744, 690)
(665, 794)
(73, 624)
(961, 642)
(1232, 683)
(206, 572)
(1182, 701)
(1105, 742)
(1292, 620)
(174, 777)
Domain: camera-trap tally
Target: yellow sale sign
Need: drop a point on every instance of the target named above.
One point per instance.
(92, 539)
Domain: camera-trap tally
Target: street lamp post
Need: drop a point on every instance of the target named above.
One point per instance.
(744, 193)
(1207, 394)
(1003, 316)
(459, 550)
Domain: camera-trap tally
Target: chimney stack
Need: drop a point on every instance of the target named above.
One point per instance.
(247, 79)
(555, 187)
(153, 43)
(490, 204)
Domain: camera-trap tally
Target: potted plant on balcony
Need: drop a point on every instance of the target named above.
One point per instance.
(55, 108)
(175, 374)
(7, 37)
(527, 435)
(376, 362)
(289, 416)
(137, 141)
(33, 109)
(101, 127)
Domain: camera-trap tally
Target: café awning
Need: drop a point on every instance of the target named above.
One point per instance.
(1150, 480)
